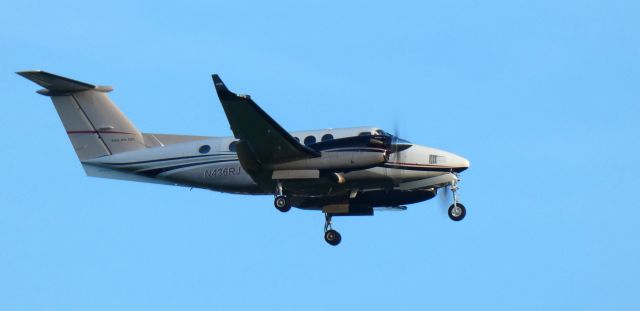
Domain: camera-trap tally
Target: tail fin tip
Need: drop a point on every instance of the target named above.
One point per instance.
(55, 84)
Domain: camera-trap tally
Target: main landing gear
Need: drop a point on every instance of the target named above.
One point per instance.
(281, 202)
(456, 211)
(331, 236)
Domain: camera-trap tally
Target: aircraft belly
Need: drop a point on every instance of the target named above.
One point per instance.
(368, 199)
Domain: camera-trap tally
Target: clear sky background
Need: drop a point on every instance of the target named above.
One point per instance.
(541, 96)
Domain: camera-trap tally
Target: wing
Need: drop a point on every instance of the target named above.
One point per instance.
(262, 141)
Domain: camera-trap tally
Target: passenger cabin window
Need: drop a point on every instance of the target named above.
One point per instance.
(327, 137)
(364, 134)
(310, 140)
(204, 149)
(232, 146)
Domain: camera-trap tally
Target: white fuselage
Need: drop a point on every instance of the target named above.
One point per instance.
(212, 163)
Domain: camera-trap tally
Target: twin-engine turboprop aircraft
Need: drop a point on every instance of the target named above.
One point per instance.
(341, 172)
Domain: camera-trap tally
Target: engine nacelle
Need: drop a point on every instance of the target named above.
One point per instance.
(336, 160)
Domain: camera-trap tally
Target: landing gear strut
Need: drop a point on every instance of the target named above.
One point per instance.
(331, 236)
(281, 202)
(456, 211)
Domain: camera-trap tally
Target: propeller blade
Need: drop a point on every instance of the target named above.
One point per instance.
(394, 140)
(399, 146)
(395, 146)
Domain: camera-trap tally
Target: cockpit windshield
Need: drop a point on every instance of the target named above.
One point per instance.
(393, 137)
(383, 133)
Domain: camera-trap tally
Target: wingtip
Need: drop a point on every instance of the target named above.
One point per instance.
(216, 79)
(217, 82)
(221, 88)
(26, 72)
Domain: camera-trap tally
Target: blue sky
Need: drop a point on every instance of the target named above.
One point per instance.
(541, 96)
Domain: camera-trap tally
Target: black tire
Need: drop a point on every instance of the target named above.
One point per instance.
(282, 203)
(457, 215)
(332, 237)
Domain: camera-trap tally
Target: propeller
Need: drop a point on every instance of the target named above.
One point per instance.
(394, 141)
(396, 146)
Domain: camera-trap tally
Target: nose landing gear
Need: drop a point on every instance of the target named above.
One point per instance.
(456, 211)
(331, 236)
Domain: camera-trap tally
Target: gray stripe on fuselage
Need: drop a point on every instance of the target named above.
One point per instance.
(158, 170)
(175, 158)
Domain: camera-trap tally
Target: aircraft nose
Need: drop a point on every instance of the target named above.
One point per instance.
(461, 164)
(446, 159)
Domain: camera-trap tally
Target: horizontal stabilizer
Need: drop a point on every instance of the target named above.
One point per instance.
(55, 84)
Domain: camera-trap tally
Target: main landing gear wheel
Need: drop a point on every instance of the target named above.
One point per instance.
(332, 237)
(282, 203)
(457, 211)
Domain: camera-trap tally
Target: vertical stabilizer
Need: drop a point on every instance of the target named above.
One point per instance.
(95, 125)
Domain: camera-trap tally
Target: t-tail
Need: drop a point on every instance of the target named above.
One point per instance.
(95, 125)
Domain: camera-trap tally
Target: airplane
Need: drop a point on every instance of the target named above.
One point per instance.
(341, 172)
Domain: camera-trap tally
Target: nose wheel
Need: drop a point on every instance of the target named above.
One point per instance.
(457, 211)
(332, 237)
